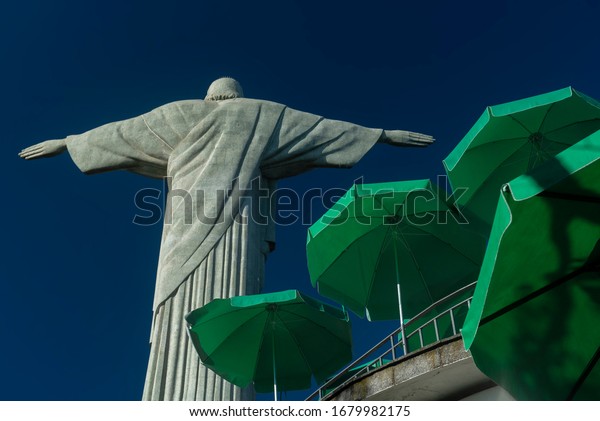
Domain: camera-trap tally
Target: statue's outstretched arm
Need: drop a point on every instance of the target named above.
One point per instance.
(404, 138)
(46, 149)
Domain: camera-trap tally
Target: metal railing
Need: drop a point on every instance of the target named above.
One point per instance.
(443, 324)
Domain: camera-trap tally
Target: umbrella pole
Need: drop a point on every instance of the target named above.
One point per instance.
(404, 345)
(274, 369)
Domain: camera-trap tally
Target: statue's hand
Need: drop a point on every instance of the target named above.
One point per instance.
(404, 138)
(45, 149)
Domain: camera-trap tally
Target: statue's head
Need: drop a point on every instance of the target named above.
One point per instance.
(224, 88)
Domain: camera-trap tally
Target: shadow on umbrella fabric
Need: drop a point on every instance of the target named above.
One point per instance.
(532, 326)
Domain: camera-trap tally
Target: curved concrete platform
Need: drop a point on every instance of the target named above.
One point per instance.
(441, 371)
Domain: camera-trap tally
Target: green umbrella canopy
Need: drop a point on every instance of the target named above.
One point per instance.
(377, 234)
(510, 139)
(533, 322)
(243, 338)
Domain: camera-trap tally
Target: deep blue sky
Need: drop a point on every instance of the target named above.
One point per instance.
(77, 276)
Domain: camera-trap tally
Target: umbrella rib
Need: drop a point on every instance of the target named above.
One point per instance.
(322, 328)
(448, 243)
(508, 139)
(544, 151)
(520, 124)
(572, 124)
(262, 341)
(537, 293)
(416, 263)
(300, 350)
(545, 134)
(506, 161)
(239, 327)
(546, 142)
(535, 154)
(557, 141)
(546, 116)
(380, 200)
(338, 257)
(227, 315)
(352, 242)
(586, 372)
(316, 323)
(379, 255)
(511, 155)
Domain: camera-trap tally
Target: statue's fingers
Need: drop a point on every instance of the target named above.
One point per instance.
(33, 147)
(34, 155)
(421, 141)
(25, 154)
(28, 148)
(31, 150)
(421, 138)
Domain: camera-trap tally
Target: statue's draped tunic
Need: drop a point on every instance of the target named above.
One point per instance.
(222, 159)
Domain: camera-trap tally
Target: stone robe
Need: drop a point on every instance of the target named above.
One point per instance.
(222, 160)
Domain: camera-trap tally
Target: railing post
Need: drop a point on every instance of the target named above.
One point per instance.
(452, 320)
(393, 347)
(437, 332)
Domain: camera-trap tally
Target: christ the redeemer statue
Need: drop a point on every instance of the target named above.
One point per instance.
(219, 147)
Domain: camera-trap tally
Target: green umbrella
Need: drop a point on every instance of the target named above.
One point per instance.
(390, 250)
(533, 323)
(276, 341)
(510, 139)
